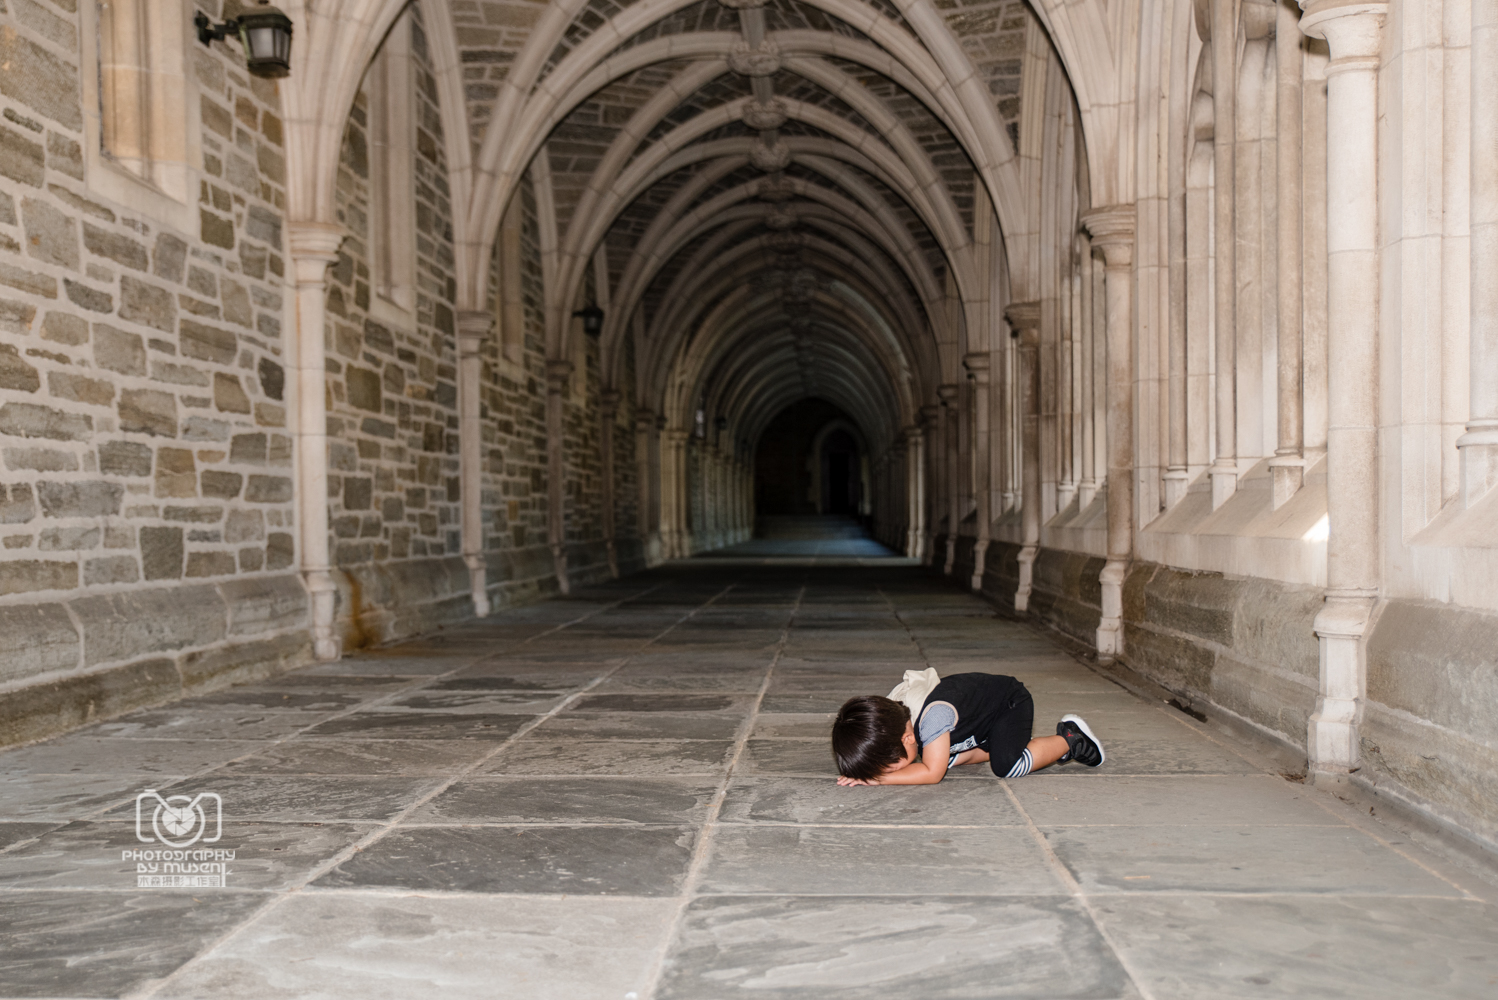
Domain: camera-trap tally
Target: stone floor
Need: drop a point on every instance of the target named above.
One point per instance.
(628, 794)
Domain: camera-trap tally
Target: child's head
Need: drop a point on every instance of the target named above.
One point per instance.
(869, 737)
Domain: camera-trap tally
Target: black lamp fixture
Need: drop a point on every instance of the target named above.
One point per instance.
(265, 33)
(592, 318)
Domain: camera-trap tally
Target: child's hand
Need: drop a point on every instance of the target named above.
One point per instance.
(850, 782)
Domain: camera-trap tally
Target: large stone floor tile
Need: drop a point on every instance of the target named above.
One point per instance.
(865, 947)
(1188, 947)
(567, 726)
(84, 754)
(88, 855)
(663, 702)
(297, 799)
(208, 724)
(12, 833)
(640, 758)
(575, 860)
(1334, 859)
(1186, 800)
(1190, 755)
(63, 797)
(339, 945)
(409, 665)
(812, 758)
(844, 860)
(796, 726)
(281, 697)
(107, 944)
(365, 757)
(522, 680)
(406, 725)
(818, 801)
(498, 799)
(470, 702)
(737, 682)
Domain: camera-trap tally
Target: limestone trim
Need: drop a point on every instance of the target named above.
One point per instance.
(1479, 445)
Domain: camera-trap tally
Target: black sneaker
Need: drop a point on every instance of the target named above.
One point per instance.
(1082, 746)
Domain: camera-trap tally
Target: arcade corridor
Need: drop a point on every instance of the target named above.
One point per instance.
(628, 794)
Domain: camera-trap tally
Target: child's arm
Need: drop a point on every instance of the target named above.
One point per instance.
(930, 769)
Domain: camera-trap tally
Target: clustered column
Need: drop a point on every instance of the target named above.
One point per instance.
(473, 329)
(977, 367)
(1112, 230)
(314, 246)
(1024, 320)
(1353, 33)
(1479, 445)
(558, 374)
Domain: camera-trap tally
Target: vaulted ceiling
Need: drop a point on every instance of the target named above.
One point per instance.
(775, 198)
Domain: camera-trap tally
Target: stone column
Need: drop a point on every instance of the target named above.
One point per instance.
(313, 247)
(927, 475)
(558, 373)
(1224, 42)
(1287, 467)
(951, 489)
(474, 327)
(1112, 230)
(913, 526)
(647, 474)
(1479, 445)
(1087, 487)
(977, 369)
(608, 410)
(1353, 33)
(1024, 324)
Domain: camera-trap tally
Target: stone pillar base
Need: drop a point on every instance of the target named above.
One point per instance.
(1176, 483)
(478, 580)
(1224, 485)
(1110, 627)
(1331, 734)
(1026, 578)
(326, 643)
(1288, 473)
(980, 553)
(1479, 451)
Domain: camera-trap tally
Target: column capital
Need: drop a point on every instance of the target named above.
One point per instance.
(473, 329)
(644, 420)
(977, 364)
(608, 402)
(929, 415)
(946, 393)
(1353, 29)
(558, 371)
(1112, 230)
(1023, 316)
(314, 240)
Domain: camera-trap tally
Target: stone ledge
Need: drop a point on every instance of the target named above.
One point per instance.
(38, 711)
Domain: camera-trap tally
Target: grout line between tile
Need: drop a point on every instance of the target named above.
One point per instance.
(153, 987)
(700, 852)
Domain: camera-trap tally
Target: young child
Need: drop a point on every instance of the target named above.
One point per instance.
(966, 719)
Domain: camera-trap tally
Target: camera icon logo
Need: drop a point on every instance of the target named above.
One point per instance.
(177, 820)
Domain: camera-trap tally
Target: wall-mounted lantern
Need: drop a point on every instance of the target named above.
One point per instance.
(265, 33)
(592, 318)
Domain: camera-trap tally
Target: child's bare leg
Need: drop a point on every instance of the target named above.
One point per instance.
(1045, 751)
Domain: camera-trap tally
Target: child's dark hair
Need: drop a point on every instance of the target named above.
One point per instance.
(868, 736)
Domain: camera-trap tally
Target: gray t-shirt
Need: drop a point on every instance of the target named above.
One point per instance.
(939, 717)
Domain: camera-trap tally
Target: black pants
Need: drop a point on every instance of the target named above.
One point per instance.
(1012, 729)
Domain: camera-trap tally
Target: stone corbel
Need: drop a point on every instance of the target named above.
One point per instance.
(474, 327)
(313, 247)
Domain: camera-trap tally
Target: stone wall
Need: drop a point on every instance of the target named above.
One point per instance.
(393, 398)
(1432, 710)
(146, 516)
